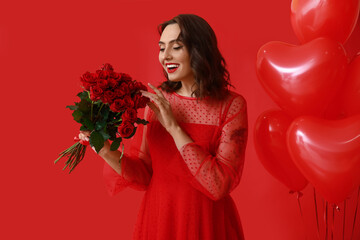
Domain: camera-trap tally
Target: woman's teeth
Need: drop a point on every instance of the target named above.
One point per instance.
(172, 67)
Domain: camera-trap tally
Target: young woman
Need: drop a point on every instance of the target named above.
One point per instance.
(193, 148)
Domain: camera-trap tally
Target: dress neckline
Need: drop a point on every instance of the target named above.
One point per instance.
(190, 98)
(185, 97)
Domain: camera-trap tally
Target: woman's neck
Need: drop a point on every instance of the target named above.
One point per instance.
(187, 88)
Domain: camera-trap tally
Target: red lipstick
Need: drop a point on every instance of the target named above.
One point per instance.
(172, 67)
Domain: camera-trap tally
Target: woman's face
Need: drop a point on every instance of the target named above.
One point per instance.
(174, 56)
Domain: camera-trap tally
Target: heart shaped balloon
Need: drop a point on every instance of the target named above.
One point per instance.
(302, 80)
(351, 91)
(327, 152)
(334, 19)
(270, 144)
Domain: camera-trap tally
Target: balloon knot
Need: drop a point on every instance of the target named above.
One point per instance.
(298, 193)
(336, 207)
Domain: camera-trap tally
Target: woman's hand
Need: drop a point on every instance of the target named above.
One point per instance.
(84, 136)
(111, 157)
(162, 109)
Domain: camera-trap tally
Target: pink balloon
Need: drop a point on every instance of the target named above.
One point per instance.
(302, 80)
(334, 19)
(327, 152)
(270, 144)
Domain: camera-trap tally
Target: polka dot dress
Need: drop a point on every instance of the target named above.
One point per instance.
(187, 190)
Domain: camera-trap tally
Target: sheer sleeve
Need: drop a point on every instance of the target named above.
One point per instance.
(136, 169)
(216, 175)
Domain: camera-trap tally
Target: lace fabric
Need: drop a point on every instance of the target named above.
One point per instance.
(215, 161)
(205, 171)
(136, 166)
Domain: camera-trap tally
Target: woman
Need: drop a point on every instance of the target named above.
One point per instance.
(193, 148)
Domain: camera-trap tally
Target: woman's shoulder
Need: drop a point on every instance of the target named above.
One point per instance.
(235, 103)
(233, 97)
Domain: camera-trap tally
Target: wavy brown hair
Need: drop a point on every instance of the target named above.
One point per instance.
(208, 65)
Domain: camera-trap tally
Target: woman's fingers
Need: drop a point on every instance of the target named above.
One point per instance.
(158, 97)
(158, 100)
(153, 107)
(84, 135)
(157, 91)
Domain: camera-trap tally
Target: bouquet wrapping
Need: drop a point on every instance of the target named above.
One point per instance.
(108, 109)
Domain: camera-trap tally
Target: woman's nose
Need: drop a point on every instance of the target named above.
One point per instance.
(167, 54)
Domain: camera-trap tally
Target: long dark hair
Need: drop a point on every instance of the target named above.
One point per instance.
(208, 65)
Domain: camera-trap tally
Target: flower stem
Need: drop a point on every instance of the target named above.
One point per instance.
(92, 109)
(122, 153)
(66, 152)
(100, 109)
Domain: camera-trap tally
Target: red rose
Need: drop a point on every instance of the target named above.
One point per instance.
(140, 101)
(88, 80)
(129, 115)
(125, 77)
(131, 87)
(126, 129)
(119, 92)
(95, 75)
(129, 103)
(102, 83)
(125, 87)
(118, 105)
(108, 97)
(103, 74)
(115, 75)
(107, 67)
(140, 86)
(112, 83)
(95, 93)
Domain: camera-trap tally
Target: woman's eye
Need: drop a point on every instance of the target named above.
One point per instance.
(177, 48)
(162, 49)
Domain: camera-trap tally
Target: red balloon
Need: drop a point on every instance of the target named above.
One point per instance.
(270, 145)
(351, 90)
(327, 152)
(334, 19)
(302, 80)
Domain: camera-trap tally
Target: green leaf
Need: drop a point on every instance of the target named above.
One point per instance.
(83, 128)
(115, 144)
(111, 130)
(141, 121)
(77, 114)
(83, 95)
(105, 113)
(97, 140)
(100, 125)
(105, 135)
(72, 107)
(84, 106)
(88, 123)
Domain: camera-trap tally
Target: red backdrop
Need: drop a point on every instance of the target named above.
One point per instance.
(46, 45)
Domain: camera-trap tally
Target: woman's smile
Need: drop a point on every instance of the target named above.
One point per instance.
(172, 67)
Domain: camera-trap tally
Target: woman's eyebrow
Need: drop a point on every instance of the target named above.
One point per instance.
(174, 40)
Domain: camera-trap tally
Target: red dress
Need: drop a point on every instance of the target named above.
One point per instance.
(187, 190)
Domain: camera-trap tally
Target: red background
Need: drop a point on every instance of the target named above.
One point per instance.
(46, 45)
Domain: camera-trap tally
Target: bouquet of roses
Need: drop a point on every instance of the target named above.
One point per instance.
(108, 109)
